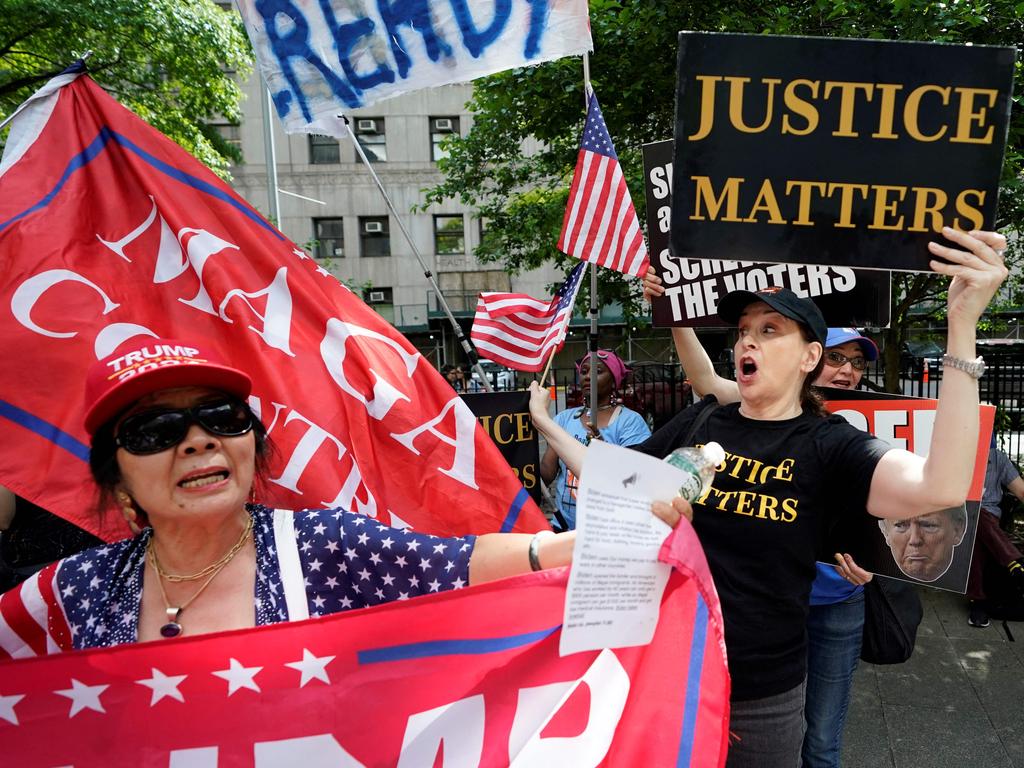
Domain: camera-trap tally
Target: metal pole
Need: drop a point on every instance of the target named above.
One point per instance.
(467, 348)
(16, 112)
(271, 155)
(592, 339)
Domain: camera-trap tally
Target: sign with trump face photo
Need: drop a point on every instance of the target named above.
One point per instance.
(934, 549)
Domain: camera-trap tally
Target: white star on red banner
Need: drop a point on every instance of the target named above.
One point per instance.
(83, 697)
(312, 667)
(163, 685)
(239, 677)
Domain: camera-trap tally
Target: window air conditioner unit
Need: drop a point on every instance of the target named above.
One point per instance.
(376, 296)
(373, 226)
(370, 126)
(443, 124)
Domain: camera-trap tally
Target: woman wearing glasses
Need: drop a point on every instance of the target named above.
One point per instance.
(790, 466)
(177, 448)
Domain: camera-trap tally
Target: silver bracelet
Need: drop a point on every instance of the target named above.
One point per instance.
(973, 368)
(534, 546)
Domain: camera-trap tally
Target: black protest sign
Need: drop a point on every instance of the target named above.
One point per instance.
(505, 416)
(693, 287)
(834, 151)
(934, 549)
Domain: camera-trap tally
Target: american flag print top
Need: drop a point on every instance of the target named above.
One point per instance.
(308, 563)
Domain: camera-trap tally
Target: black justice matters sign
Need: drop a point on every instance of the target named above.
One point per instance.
(834, 151)
(505, 416)
(693, 287)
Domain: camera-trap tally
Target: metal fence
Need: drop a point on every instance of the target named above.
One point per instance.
(660, 390)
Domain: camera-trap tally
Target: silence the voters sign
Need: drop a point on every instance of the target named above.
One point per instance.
(834, 151)
(693, 287)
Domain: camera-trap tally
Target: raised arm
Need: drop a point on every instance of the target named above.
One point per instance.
(565, 446)
(905, 485)
(696, 363)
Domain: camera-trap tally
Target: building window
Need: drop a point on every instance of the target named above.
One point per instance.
(330, 238)
(324, 150)
(370, 135)
(231, 133)
(374, 236)
(449, 235)
(460, 289)
(440, 129)
(382, 300)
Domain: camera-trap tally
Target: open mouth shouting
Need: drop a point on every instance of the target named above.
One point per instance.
(746, 370)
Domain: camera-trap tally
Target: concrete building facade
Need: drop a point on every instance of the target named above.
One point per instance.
(330, 205)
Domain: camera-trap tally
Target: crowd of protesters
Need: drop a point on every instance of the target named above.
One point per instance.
(181, 454)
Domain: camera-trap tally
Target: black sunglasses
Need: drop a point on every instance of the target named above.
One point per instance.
(155, 431)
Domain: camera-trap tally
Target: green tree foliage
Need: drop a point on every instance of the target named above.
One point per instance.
(522, 194)
(170, 61)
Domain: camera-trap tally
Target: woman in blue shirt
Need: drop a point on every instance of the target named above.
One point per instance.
(616, 424)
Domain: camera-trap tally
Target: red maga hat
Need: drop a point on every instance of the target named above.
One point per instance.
(141, 366)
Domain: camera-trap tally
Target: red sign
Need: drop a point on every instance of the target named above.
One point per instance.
(109, 230)
(473, 675)
(942, 558)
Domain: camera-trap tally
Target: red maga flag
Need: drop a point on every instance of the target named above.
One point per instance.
(109, 230)
(473, 675)
(600, 222)
(522, 332)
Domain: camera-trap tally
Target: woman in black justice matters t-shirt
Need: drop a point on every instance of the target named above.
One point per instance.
(788, 464)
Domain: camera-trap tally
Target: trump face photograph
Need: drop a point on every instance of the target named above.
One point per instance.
(923, 547)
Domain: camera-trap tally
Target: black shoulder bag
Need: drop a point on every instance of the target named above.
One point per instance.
(892, 614)
(710, 403)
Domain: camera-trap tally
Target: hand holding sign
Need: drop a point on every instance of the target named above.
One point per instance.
(652, 285)
(977, 272)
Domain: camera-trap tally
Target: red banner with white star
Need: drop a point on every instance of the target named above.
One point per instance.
(109, 231)
(465, 678)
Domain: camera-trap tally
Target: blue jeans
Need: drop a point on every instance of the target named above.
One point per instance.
(833, 649)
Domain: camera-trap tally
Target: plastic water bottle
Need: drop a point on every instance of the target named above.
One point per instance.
(699, 464)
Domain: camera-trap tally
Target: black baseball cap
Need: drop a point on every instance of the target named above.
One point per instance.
(783, 301)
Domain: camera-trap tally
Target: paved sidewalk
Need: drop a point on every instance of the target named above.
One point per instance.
(958, 702)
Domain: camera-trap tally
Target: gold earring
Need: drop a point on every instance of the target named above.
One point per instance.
(128, 511)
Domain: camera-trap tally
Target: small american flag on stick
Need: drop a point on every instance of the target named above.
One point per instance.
(600, 222)
(520, 331)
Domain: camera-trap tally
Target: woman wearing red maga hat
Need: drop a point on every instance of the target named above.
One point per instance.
(177, 448)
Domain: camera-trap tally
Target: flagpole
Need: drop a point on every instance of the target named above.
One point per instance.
(271, 155)
(547, 368)
(592, 338)
(467, 348)
(3, 123)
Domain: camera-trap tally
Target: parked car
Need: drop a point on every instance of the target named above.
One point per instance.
(915, 355)
(659, 391)
(502, 379)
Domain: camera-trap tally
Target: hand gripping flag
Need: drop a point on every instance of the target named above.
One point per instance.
(522, 332)
(473, 675)
(109, 230)
(600, 223)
